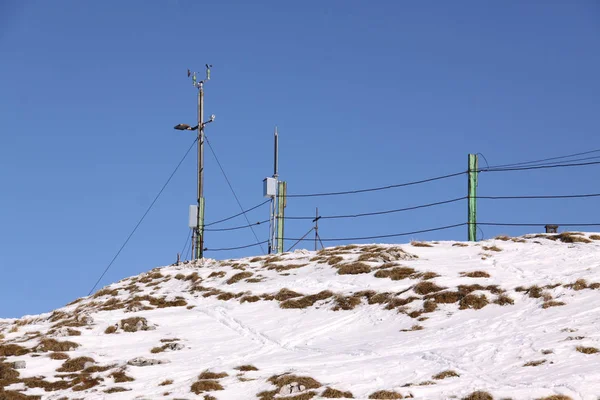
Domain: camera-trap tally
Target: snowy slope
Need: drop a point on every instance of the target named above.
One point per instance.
(392, 321)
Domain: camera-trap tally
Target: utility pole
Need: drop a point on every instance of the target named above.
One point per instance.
(316, 221)
(197, 212)
(472, 208)
(275, 190)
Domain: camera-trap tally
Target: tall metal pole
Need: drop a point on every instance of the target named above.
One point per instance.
(316, 228)
(200, 222)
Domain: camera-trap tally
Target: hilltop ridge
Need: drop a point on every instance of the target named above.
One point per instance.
(505, 318)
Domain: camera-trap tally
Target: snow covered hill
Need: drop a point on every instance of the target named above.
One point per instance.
(505, 318)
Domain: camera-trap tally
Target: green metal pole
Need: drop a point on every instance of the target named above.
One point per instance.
(472, 197)
(281, 203)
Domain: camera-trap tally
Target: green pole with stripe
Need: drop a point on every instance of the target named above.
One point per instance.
(472, 211)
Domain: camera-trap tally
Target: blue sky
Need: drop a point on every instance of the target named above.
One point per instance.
(364, 93)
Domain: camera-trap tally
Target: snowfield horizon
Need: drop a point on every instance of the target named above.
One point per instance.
(505, 318)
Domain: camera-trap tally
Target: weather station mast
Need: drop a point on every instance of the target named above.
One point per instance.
(196, 212)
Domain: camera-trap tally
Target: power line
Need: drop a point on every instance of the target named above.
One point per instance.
(545, 159)
(237, 227)
(143, 216)
(238, 247)
(517, 224)
(382, 212)
(566, 196)
(232, 191)
(539, 167)
(377, 188)
(185, 244)
(238, 214)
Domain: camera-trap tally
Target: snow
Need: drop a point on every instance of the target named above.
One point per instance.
(362, 350)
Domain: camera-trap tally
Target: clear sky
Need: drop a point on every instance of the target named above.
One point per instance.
(365, 94)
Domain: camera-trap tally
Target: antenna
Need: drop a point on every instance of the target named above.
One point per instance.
(276, 158)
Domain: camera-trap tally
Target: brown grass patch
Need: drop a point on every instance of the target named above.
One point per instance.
(134, 324)
(446, 374)
(206, 386)
(579, 284)
(7, 350)
(225, 296)
(346, 302)
(479, 395)
(429, 306)
(552, 303)
(534, 363)
(217, 274)
(534, 292)
(47, 344)
(474, 302)
(167, 382)
(570, 237)
(212, 375)
(286, 294)
(491, 248)
(334, 260)
(285, 379)
(426, 287)
(475, 274)
(586, 350)
(460, 244)
(420, 244)
(306, 301)
(595, 237)
(110, 329)
(249, 299)
(193, 277)
(504, 300)
(396, 273)
(330, 393)
(385, 394)
(121, 376)
(353, 268)
(180, 276)
(555, 397)
(238, 277)
(75, 364)
(86, 382)
(281, 268)
(412, 328)
(116, 389)
(59, 356)
(246, 368)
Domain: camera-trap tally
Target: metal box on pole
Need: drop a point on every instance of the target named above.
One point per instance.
(193, 219)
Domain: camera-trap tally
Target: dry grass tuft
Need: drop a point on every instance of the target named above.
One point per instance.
(59, 356)
(475, 274)
(134, 324)
(212, 375)
(238, 277)
(420, 244)
(206, 386)
(75, 364)
(570, 237)
(579, 284)
(552, 303)
(534, 292)
(534, 363)
(246, 368)
(446, 374)
(306, 301)
(555, 397)
(595, 237)
(460, 244)
(167, 382)
(209, 397)
(346, 302)
(385, 394)
(121, 376)
(479, 395)
(491, 248)
(396, 273)
(7, 350)
(225, 296)
(504, 300)
(445, 297)
(47, 344)
(330, 393)
(110, 329)
(425, 287)
(249, 299)
(116, 389)
(353, 268)
(285, 379)
(587, 350)
(474, 302)
(217, 274)
(412, 328)
(286, 294)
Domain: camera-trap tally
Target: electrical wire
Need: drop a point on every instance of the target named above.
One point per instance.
(517, 224)
(566, 196)
(377, 188)
(238, 214)
(187, 241)
(233, 191)
(237, 227)
(238, 247)
(539, 167)
(143, 216)
(382, 212)
(545, 159)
